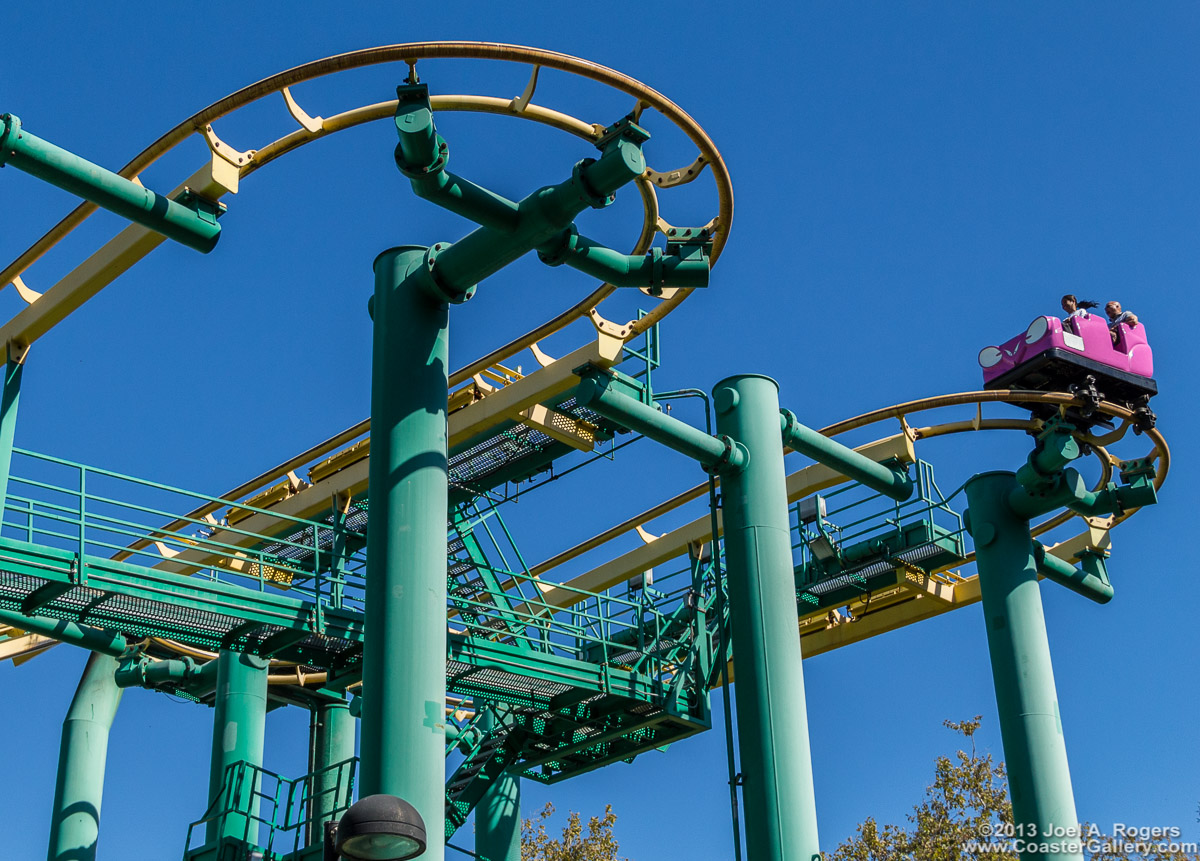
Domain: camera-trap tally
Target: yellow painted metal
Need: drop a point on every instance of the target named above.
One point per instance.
(510, 401)
(350, 478)
(887, 610)
(913, 599)
(411, 53)
(563, 427)
(19, 647)
(802, 483)
(95, 273)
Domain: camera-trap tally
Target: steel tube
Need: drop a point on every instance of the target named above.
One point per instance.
(95, 639)
(465, 198)
(79, 788)
(183, 672)
(772, 716)
(404, 653)
(239, 730)
(498, 816)
(331, 741)
(540, 216)
(1086, 583)
(9, 400)
(1069, 489)
(106, 189)
(890, 482)
(653, 269)
(597, 393)
(421, 155)
(1030, 723)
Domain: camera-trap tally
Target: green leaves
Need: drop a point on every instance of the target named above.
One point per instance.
(968, 790)
(597, 844)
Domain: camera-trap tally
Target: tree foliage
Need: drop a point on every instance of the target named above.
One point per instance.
(596, 844)
(967, 800)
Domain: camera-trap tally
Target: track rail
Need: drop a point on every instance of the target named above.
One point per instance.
(411, 54)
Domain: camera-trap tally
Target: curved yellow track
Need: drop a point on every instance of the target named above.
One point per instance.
(411, 54)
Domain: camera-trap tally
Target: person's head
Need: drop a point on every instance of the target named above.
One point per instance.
(1069, 303)
(1113, 309)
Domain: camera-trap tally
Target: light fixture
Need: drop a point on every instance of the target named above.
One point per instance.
(379, 828)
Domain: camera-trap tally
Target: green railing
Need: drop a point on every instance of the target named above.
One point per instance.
(279, 816)
(90, 511)
(97, 514)
(851, 534)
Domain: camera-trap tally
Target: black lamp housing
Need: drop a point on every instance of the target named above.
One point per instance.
(378, 828)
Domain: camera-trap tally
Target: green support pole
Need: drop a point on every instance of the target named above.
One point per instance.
(331, 741)
(404, 654)
(1030, 724)
(498, 817)
(9, 399)
(239, 729)
(75, 821)
(772, 718)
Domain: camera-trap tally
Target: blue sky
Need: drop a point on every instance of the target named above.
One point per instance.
(912, 182)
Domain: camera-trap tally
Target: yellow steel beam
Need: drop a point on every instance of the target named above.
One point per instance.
(475, 419)
(21, 648)
(915, 599)
(95, 273)
(563, 427)
(908, 606)
(802, 483)
(509, 402)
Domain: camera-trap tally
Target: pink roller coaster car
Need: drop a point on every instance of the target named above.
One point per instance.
(1075, 356)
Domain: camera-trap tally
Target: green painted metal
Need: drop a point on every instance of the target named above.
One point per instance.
(284, 811)
(471, 564)
(331, 741)
(239, 731)
(681, 265)
(852, 540)
(191, 220)
(1090, 580)
(542, 220)
(893, 482)
(778, 796)
(243, 610)
(601, 393)
(10, 399)
(79, 789)
(172, 673)
(490, 745)
(1030, 723)
(86, 636)
(404, 682)
(498, 816)
(1046, 483)
(421, 155)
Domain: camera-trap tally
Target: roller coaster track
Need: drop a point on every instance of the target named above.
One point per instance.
(577, 675)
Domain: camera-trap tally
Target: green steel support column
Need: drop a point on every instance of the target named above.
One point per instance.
(1030, 724)
(9, 399)
(239, 729)
(75, 821)
(331, 740)
(772, 719)
(498, 817)
(404, 654)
